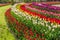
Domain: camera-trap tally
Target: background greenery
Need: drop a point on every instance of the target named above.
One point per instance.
(4, 1)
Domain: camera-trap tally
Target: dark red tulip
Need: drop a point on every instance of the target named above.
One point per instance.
(42, 34)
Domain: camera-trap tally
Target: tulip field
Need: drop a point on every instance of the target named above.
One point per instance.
(34, 21)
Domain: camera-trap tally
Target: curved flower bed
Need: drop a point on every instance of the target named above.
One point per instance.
(29, 25)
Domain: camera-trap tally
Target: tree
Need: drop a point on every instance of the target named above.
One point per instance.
(12, 1)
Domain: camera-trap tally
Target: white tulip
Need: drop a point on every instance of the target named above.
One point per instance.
(52, 29)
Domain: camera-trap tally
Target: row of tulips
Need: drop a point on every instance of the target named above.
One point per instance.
(53, 20)
(47, 7)
(49, 14)
(51, 3)
(37, 22)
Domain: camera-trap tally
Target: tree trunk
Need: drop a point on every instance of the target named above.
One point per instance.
(12, 2)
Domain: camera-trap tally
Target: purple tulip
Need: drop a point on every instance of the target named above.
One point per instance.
(44, 5)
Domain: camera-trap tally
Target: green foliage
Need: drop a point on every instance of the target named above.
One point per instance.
(4, 1)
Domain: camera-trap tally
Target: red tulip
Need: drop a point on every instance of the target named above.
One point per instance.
(34, 39)
(17, 23)
(44, 39)
(30, 39)
(27, 36)
(25, 32)
(31, 33)
(37, 35)
(41, 39)
(42, 34)
(26, 28)
(17, 29)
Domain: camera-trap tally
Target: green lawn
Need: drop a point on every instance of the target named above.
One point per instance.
(5, 34)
